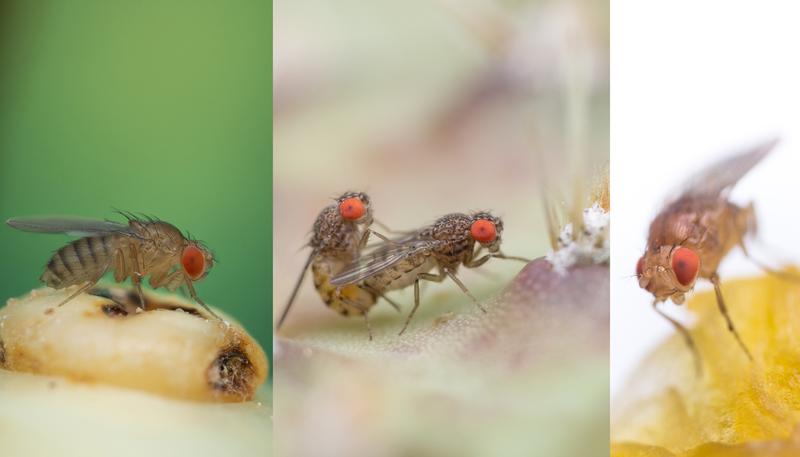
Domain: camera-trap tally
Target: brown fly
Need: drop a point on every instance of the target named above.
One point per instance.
(692, 234)
(444, 245)
(144, 246)
(340, 232)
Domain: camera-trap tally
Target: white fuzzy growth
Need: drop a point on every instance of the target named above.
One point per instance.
(591, 246)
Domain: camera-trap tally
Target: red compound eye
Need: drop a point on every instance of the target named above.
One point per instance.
(483, 231)
(352, 208)
(640, 267)
(685, 264)
(194, 262)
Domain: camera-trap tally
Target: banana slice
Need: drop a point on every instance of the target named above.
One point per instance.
(171, 349)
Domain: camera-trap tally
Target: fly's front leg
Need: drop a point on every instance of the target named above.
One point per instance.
(428, 277)
(197, 299)
(386, 228)
(500, 255)
(464, 288)
(724, 310)
(698, 363)
(475, 263)
(365, 238)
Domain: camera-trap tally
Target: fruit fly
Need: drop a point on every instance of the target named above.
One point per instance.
(144, 246)
(444, 245)
(692, 234)
(340, 232)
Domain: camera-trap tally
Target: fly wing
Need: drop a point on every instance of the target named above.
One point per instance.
(384, 256)
(721, 176)
(70, 226)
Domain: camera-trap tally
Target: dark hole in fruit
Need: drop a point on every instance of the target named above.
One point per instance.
(2, 354)
(231, 372)
(114, 310)
(126, 301)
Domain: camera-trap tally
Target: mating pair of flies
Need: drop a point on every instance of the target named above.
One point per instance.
(144, 246)
(694, 232)
(350, 280)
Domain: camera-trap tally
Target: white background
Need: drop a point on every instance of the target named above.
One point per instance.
(690, 82)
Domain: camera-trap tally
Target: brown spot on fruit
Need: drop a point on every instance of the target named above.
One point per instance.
(114, 310)
(232, 373)
(2, 354)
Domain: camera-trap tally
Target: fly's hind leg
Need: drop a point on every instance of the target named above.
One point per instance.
(337, 295)
(724, 310)
(428, 277)
(377, 294)
(364, 311)
(698, 363)
(87, 286)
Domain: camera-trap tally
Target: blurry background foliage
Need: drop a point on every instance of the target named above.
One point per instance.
(155, 107)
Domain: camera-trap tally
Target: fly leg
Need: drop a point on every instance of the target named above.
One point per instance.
(369, 327)
(386, 228)
(428, 277)
(296, 289)
(364, 311)
(87, 286)
(365, 238)
(136, 275)
(475, 263)
(391, 302)
(500, 255)
(464, 289)
(785, 275)
(724, 310)
(197, 299)
(698, 363)
(376, 293)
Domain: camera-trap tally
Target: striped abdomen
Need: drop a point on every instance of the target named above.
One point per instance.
(352, 300)
(82, 260)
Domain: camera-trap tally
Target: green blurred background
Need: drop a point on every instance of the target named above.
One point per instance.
(155, 107)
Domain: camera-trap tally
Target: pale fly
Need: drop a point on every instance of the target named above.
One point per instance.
(444, 245)
(144, 246)
(692, 234)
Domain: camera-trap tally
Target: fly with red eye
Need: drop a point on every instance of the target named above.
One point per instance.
(144, 246)
(694, 232)
(340, 231)
(444, 245)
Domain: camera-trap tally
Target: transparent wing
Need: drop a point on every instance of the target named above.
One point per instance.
(384, 256)
(70, 226)
(721, 176)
